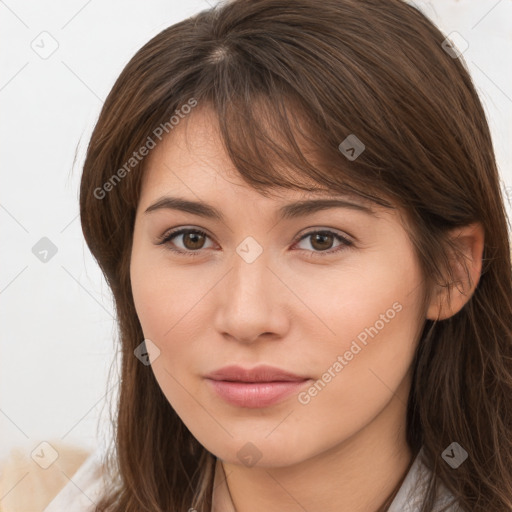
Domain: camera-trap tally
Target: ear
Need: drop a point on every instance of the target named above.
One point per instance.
(466, 267)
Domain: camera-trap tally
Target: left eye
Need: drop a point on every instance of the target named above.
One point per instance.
(193, 241)
(321, 239)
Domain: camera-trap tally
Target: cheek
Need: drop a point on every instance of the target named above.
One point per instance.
(371, 322)
(165, 299)
(369, 297)
(171, 306)
(164, 302)
(153, 303)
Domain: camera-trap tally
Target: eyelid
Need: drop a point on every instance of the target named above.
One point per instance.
(323, 229)
(174, 232)
(346, 241)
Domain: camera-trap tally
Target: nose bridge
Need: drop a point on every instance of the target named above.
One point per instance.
(250, 273)
(248, 302)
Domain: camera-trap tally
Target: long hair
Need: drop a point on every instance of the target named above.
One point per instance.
(282, 76)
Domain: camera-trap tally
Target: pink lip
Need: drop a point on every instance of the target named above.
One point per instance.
(257, 387)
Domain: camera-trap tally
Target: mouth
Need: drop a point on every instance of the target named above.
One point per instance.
(254, 388)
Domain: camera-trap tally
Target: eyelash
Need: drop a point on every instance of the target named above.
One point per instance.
(168, 236)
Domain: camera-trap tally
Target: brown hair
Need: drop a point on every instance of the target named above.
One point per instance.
(373, 69)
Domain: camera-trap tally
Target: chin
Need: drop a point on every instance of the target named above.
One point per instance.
(256, 451)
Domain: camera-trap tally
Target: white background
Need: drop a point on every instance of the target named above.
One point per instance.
(57, 333)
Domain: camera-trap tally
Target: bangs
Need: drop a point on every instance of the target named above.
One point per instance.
(274, 142)
(275, 139)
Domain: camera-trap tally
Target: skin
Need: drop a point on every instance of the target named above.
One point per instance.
(343, 450)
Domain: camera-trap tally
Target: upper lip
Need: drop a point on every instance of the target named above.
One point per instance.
(263, 373)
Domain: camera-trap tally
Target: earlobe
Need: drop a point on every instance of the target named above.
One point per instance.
(466, 269)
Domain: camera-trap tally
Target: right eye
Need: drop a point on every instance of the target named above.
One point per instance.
(191, 239)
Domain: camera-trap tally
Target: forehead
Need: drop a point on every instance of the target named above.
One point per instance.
(192, 157)
(191, 165)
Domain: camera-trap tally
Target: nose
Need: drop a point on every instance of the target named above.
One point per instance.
(251, 302)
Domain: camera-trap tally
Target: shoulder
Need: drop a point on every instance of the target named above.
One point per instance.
(41, 475)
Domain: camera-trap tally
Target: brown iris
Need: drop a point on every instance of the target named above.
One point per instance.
(324, 241)
(196, 240)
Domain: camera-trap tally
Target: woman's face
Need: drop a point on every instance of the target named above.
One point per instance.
(259, 289)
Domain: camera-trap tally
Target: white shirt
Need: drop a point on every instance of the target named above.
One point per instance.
(87, 485)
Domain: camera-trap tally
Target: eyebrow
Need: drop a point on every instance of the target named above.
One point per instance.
(288, 211)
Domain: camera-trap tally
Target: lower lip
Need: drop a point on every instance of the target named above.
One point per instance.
(255, 394)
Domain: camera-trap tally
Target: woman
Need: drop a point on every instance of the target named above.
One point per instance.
(297, 208)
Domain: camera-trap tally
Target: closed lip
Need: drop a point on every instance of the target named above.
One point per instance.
(262, 373)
